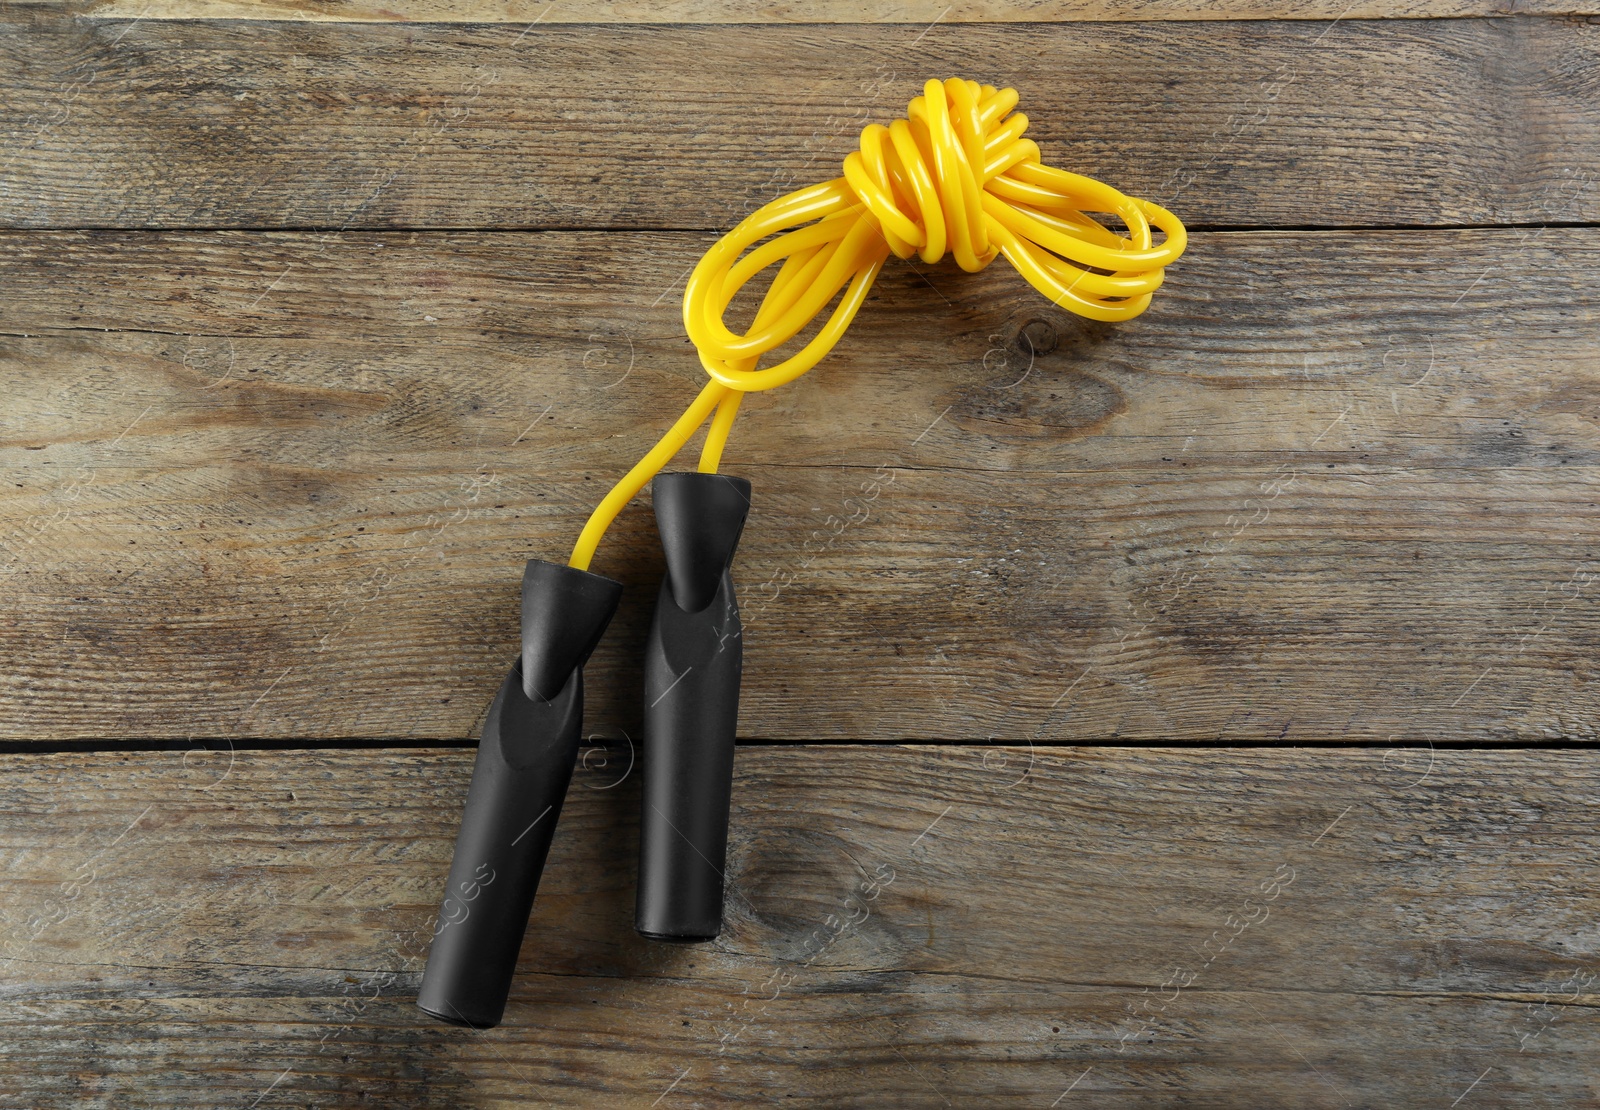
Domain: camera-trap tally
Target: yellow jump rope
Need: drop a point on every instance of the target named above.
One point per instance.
(955, 175)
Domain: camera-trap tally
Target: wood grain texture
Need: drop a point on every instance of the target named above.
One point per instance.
(1346, 927)
(296, 125)
(1332, 485)
(925, 12)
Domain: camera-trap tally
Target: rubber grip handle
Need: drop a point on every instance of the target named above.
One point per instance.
(519, 780)
(692, 667)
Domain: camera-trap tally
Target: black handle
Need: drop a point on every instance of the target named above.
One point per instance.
(692, 666)
(524, 765)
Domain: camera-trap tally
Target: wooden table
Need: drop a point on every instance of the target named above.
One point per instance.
(1198, 712)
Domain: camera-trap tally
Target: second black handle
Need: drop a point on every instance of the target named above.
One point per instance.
(692, 668)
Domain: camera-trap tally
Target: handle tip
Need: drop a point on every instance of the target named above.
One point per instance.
(450, 1016)
(564, 613)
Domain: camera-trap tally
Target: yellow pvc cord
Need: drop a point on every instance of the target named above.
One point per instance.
(955, 176)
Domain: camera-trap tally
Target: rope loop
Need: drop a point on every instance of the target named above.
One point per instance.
(955, 176)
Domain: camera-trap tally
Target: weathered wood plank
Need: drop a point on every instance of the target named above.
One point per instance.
(796, 11)
(230, 124)
(1331, 486)
(1160, 927)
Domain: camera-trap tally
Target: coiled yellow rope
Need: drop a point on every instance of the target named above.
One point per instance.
(955, 175)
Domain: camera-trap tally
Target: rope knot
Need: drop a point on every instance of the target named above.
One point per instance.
(955, 175)
(922, 177)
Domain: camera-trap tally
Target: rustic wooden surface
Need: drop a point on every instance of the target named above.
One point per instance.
(315, 322)
(1267, 510)
(909, 926)
(338, 126)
